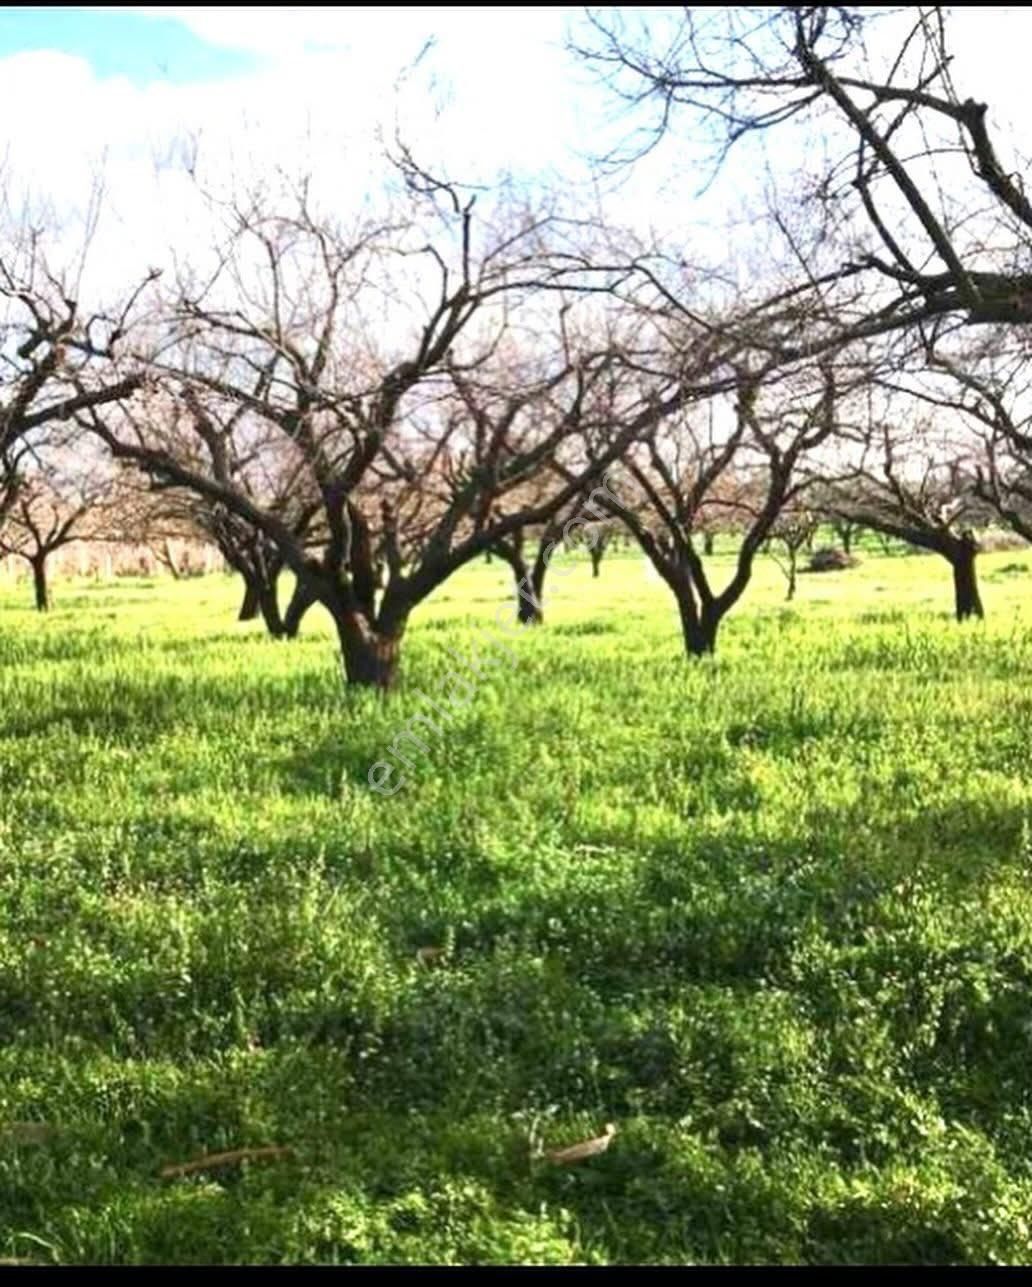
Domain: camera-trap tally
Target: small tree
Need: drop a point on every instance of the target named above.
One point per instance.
(916, 484)
(751, 467)
(43, 517)
(791, 534)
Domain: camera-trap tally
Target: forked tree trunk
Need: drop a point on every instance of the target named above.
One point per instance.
(967, 600)
(369, 657)
(39, 582)
(698, 627)
(261, 598)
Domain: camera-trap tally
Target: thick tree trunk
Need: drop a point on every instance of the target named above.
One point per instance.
(249, 607)
(369, 658)
(300, 601)
(39, 581)
(967, 600)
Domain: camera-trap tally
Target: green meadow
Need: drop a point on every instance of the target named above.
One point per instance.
(770, 915)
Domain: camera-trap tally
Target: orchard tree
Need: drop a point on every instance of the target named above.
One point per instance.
(793, 531)
(57, 357)
(748, 460)
(47, 511)
(918, 214)
(915, 481)
(328, 339)
(988, 387)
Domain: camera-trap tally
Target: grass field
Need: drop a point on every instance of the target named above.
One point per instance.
(770, 915)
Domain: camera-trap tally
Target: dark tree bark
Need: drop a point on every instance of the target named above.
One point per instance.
(39, 581)
(369, 657)
(297, 609)
(960, 550)
(249, 607)
(530, 585)
(597, 551)
(699, 627)
(967, 600)
(260, 570)
(707, 542)
(268, 605)
(528, 579)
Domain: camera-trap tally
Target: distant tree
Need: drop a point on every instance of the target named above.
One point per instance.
(989, 387)
(916, 483)
(750, 466)
(792, 532)
(43, 515)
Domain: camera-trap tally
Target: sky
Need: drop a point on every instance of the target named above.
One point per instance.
(127, 93)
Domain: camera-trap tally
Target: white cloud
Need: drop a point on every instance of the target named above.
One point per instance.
(496, 93)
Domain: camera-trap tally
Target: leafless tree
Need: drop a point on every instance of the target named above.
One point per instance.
(792, 532)
(48, 510)
(748, 461)
(988, 387)
(916, 208)
(915, 482)
(327, 342)
(57, 358)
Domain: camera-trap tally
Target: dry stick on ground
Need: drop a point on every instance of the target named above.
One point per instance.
(585, 1149)
(213, 1161)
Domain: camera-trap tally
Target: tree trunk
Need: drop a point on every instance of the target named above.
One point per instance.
(707, 542)
(699, 629)
(967, 600)
(369, 658)
(529, 585)
(300, 601)
(39, 581)
(249, 607)
(846, 536)
(792, 569)
(268, 603)
(596, 553)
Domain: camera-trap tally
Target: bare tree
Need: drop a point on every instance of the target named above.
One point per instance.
(920, 210)
(792, 532)
(915, 482)
(989, 387)
(48, 511)
(57, 358)
(750, 465)
(326, 342)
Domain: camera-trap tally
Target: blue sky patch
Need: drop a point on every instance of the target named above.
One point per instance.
(121, 44)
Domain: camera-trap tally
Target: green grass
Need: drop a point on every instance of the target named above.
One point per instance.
(770, 914)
